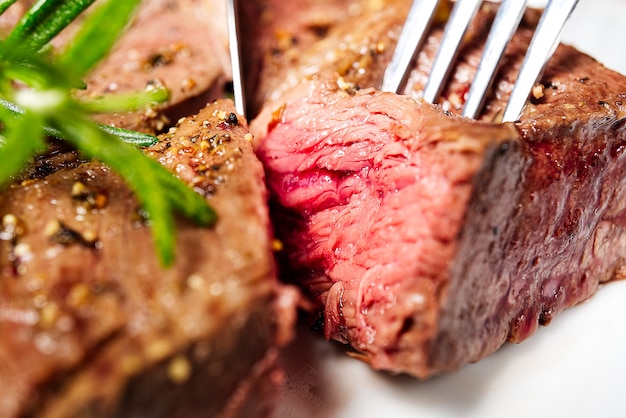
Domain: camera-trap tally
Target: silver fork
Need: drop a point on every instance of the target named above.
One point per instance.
(232, 12)
(508, 17)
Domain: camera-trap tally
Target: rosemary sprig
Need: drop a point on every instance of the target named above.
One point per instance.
(36, 100)
(139, 139)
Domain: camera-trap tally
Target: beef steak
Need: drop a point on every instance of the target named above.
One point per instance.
(425, 240)
(92, 325)
(181, 45)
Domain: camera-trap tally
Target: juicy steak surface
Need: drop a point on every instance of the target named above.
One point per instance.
(424, 240)
(93, 325)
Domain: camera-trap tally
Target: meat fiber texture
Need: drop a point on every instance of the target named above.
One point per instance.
(425, 240)
(92, 325)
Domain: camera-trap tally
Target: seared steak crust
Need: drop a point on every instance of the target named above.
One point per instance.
(92, 325)
(425, 256)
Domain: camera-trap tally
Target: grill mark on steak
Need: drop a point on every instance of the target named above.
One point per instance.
(104, 330)
(538, 227)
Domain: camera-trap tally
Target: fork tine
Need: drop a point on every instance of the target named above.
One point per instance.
(235, 57)
(462, 14)
(413, 33)
(504, 26)
(541, 48)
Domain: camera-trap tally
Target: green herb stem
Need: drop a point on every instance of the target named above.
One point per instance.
(139, 139)
(20, 151)
(128, 101)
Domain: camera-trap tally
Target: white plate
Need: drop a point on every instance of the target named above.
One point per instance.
(575, 367)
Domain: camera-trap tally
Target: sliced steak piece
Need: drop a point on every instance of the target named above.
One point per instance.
(179, 44)
(92, 325)
(426, 241)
